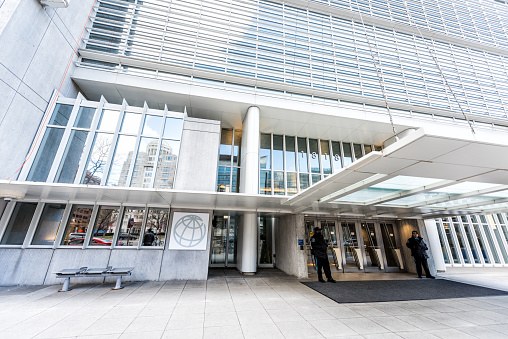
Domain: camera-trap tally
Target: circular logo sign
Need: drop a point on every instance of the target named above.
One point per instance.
(189, 231)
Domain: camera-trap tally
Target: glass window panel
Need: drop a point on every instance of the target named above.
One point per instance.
(173, 128)
(370, 244)
(314, 156)
(491, 242)
(166, 165)
(232, 241)
(472, 245)
(223, 179)
(302, 155)
(315, 178)
(130, 226)
(71, 157)
(265, 151)
(304, 181)
(480, 241)
(218, 242)
(45, 155)
(290, 154)
(157, 221)
(94, 169)
(451, 243)
(84, 117)
(130, 123)
(292, 186)
(325, 157)
(367, 148)
(237, 148)
(105, 225)
(144, 164)
(152, 125)
(390, 245)
(462, 245)
(265, 182)
(77, 225)
(49, 224)
(337, 156)
(61, 115)
(278, 183)
(121, 161)
(18, 224)
(358, 151)
(348, 155)
(278, 154)
(109, 120)
(235, 180)
(443, 246)
(225, 149)
(495, 228)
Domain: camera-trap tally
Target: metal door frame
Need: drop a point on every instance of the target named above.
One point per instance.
(225, 264)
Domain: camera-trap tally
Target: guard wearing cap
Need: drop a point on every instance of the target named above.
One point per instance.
(319, 247)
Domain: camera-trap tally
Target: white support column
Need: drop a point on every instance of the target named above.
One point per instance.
(434, 244)
(249, 183)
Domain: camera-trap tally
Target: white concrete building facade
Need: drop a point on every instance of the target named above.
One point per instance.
(231, 129)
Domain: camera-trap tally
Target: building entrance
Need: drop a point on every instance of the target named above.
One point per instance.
(224, 240)
(357, 245)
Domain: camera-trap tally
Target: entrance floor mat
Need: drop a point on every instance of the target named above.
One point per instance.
(399, 290)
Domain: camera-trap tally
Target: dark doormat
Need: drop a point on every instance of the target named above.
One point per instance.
(398, 290)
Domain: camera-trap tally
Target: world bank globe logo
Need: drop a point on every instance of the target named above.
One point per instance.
(189, 231)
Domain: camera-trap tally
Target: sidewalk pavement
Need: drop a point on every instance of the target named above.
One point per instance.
(270, 304)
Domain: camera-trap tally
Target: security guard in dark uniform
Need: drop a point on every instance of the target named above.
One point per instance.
(319, 247)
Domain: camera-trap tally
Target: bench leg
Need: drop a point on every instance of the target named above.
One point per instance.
(118, 285)
(65, 286)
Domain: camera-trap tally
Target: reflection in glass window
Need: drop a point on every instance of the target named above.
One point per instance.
(265, 182)
(105, 225)
(472, 245)
(314, 156)
(348, 155)
(61, 115)
(130, 123)
(121, 161)
(71, 157)
(480, 241)
(278, 153)
(232, 239)
(152, 125)
(45, 155)
(325, 157)
(443, 247)
(358, 151)
(94, 169)
(48, 225)
(225, 149)
(302, 155)
(489, 240)
(290, 154)
(144, 165)
(495, 229)
(315, 178)
(130, 227)
(84, 117)
(337, 156)
(265, 240)
(304, 181)
(265, 151)
(77, 225)
(278, 183)
(235, 180)
(166, 164)
(18, 224)
(451, 243)
(292, 187)
(367, 148)
(223, 179)
(157, 221)
(462, 244)
(173, 128)
(109, 120)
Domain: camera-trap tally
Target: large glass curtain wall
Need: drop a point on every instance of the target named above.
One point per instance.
(228, 178)
(96, 143)
(55, 225)
(306, 49)
(289, 164)
(475, 240)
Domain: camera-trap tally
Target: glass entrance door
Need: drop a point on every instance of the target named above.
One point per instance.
(393, 255)
(223, 245)
(372, 254)
(352, 255)
(329, 233)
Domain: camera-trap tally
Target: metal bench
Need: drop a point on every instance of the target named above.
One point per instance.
(84, 272)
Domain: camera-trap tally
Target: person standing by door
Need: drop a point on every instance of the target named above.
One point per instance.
(319, 246)
(418, 251)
